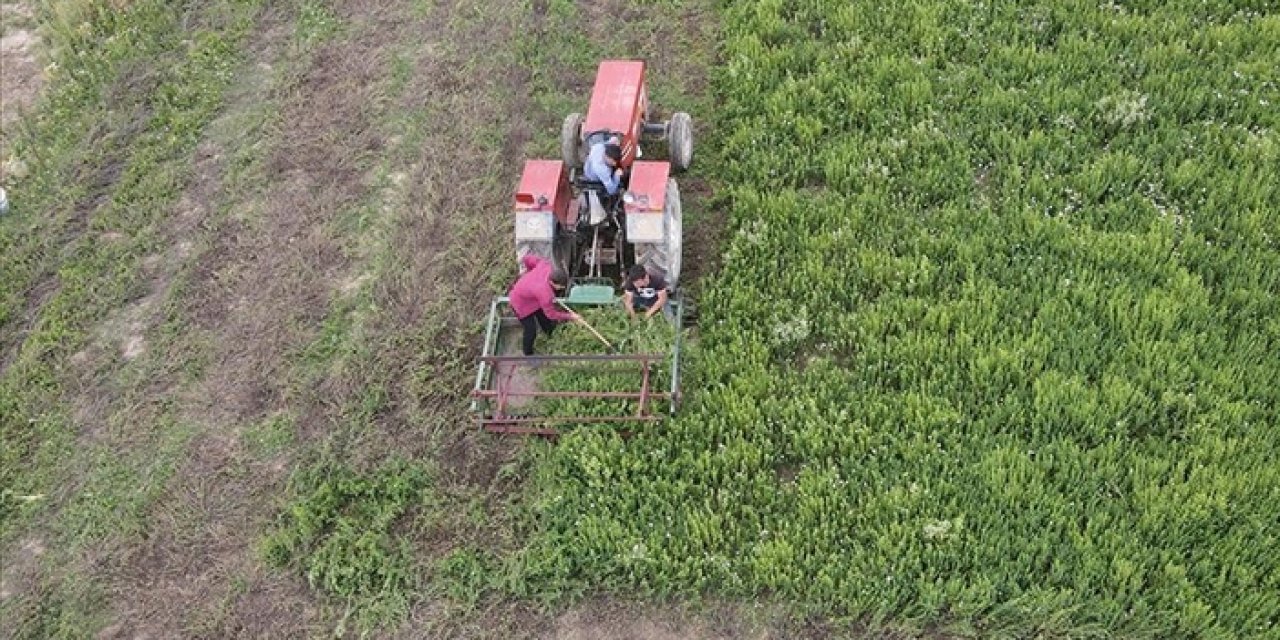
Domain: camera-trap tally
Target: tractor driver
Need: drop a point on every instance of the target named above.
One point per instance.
(645, 291)
(602, 165)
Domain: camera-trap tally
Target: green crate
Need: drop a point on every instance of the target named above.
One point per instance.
(593, 294)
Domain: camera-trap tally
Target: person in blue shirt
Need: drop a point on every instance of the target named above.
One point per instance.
(602, 165)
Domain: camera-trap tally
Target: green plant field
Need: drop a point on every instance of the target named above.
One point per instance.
(341, 531)
(993, 348)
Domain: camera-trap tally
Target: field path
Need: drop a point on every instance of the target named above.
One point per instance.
(19, 57)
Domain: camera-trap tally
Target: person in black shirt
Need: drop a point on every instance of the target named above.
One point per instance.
(644, 291)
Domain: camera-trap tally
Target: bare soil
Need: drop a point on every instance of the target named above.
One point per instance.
(593, 622)
(20, 569)
(264, 278)
(21, 76)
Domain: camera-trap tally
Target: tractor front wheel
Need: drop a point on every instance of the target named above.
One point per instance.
(665, 257)
(571, 141)
(680, 140)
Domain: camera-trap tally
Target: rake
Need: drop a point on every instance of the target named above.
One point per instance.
(590, 328)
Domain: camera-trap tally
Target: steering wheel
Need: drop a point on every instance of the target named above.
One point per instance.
(605, 133)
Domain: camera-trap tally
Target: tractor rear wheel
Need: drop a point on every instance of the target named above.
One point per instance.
(665, 257)
(565, 251)
(526, 247)
(680, 140)
(571, 141)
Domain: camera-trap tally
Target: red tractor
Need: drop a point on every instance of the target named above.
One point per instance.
(596, 238)
(573, 221)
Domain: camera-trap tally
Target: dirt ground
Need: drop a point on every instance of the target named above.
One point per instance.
(262, 281)
(252, 268)
(21, 76)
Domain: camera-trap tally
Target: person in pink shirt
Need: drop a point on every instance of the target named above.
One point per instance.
(532, 298)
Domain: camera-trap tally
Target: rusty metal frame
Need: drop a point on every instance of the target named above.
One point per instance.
(491, 393)
(494, 417)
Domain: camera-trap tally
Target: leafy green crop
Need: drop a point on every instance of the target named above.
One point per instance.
(653, 336)
(342, 530)
(994, 341)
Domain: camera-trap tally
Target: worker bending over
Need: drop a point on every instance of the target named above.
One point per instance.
(645, 291)
(532, 298)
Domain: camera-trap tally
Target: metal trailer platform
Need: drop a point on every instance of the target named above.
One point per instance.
(495, 396)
